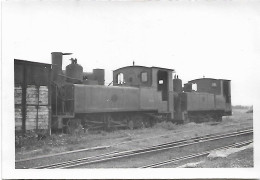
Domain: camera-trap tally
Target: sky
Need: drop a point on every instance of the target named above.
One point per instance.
(215, 39)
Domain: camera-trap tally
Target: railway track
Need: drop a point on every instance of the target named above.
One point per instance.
(155, 148)
(192, 156)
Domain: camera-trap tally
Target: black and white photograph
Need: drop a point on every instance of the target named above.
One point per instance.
(130, 89)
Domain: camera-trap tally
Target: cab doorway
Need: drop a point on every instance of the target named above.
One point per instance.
(162, 84)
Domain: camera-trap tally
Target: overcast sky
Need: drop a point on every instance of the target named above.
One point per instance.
(219, 39)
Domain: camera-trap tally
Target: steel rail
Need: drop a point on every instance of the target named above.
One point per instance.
(159, 164)
(62, 153)
(165, 146)
(207, 136)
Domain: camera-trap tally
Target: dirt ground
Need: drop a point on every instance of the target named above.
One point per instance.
(132, 139)
(240, 159)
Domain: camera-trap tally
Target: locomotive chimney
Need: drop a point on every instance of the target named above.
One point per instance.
(99, 76)
(177, 84)
(56, 58)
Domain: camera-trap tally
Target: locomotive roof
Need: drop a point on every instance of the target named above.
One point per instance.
(144, 67)
(207, 79)
(19, 61)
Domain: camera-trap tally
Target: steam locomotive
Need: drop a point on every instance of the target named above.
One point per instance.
(139, 97)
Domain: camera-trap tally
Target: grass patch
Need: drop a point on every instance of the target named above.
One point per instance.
(166, 125)
(46, 149)
(103, 133)
(74, 139)
(70, 148)
(129, 138)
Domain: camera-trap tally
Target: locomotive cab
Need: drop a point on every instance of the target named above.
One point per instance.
(221, 90)
(206, 98)
(148, 79)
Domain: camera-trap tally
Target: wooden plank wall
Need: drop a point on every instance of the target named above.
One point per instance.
(18, 107)
(37, 111)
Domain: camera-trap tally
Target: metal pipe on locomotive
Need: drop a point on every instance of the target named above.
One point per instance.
(140, 96)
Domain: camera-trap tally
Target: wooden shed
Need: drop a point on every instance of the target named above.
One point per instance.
(32, 96)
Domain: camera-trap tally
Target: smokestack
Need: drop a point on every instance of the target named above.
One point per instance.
(56, 58)
(99, 76)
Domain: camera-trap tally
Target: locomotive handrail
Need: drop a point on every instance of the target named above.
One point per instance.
(69, 77)
(110, 83)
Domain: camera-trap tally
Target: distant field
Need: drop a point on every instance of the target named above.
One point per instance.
(239, 115)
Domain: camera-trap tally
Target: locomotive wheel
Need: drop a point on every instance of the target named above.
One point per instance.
(218, 118)
(94, 123)
(74, 126)
(130, 124)
(65, 126)
(139, 121)
(147, 122)
(109, 121)
(136, 121)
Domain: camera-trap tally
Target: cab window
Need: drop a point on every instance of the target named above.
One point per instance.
(144, 77)
(194, 87)
(214, 84)
(120, 78)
